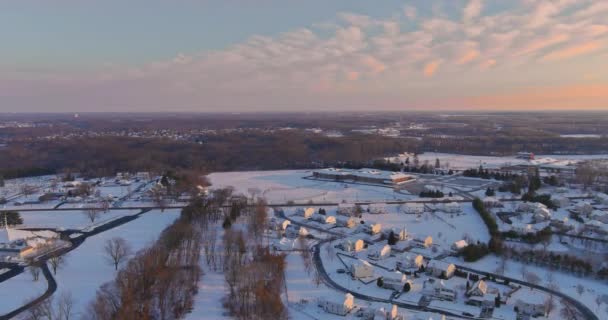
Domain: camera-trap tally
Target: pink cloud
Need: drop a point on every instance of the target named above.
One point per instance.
(431, 67)
(572, 51)
(468, 57)
(592, 96)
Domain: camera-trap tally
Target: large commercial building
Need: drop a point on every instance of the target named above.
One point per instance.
(363, 175)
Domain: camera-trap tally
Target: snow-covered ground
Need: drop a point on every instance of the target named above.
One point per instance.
(457, 161)
(567, 283)
(20, 289)
(67, 219)
(289, 185)
(86, 268)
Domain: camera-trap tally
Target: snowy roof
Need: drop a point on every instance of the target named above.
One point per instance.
(438, 264)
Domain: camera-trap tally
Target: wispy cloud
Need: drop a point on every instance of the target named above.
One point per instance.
(372, 56)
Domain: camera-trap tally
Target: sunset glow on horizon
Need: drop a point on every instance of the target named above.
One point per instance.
(71, 56)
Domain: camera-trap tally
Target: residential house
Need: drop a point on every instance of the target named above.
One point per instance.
(529, 309)
(414, 208)
(361, 269)
(308, 213)
(438, 290)
(337, 306)
(440, 269)
(377, 208)
(380, 253)
(394, 281)
(459, 245)
(352, 245)
(424, 242)
(346, 209)
(409, 261)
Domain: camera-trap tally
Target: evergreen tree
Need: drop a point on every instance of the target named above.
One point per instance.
(11, 217)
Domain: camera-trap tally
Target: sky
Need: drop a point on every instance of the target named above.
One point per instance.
(295, 55)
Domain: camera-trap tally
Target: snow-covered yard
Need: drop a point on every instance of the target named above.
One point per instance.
(86, 268)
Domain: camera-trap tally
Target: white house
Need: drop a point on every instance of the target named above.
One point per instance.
(308, 213)
(346, 209)
(283, 225)
(380, 253)
(330, 220)
(361, 269)
(372, 228)
(318, 218)
(424, 242)
(601, 198)
(409, 261)
(452, 207)
(530, 206)
(492, 202)
(293, 231)
(479, 288)
(340, 307)
(440, 269)
(352, 245)
(542, 214)
(561, 201)
(400, 233)
(413, 208)
(384, 314)
(394, 281)
(459, 245)
(377, 208)
(598, 215)
(438, 290)
(347, 222)
(584, 208)
(530, 309)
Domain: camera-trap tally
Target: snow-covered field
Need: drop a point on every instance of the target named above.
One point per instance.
(20, 289)
(289, 185)
(67, 219)
(87, 268)
(567, 283)
(458, 161)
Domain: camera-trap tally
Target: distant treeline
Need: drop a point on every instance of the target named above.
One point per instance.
(255, 150)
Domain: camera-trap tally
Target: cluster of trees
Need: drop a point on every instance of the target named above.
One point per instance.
(255, 150)
(542, 236)
(11, 217)
(474, 252)
(556, 261)
(431, 194)
(540, 198)
(495, 245)
(159, 282)
(487, 174)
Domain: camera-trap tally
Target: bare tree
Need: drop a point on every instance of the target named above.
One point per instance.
(35, 270)
(580, 289)
(532, 278)
(92, 213)
(117, 250)
(65, 306)
(56, 262)
(159, 195)
(41, 311)
(253, 192)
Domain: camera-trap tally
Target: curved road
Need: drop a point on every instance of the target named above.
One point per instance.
(51, 288)
(584, 310)
(52, 284)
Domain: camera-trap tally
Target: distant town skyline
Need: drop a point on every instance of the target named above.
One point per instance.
(294, 56)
